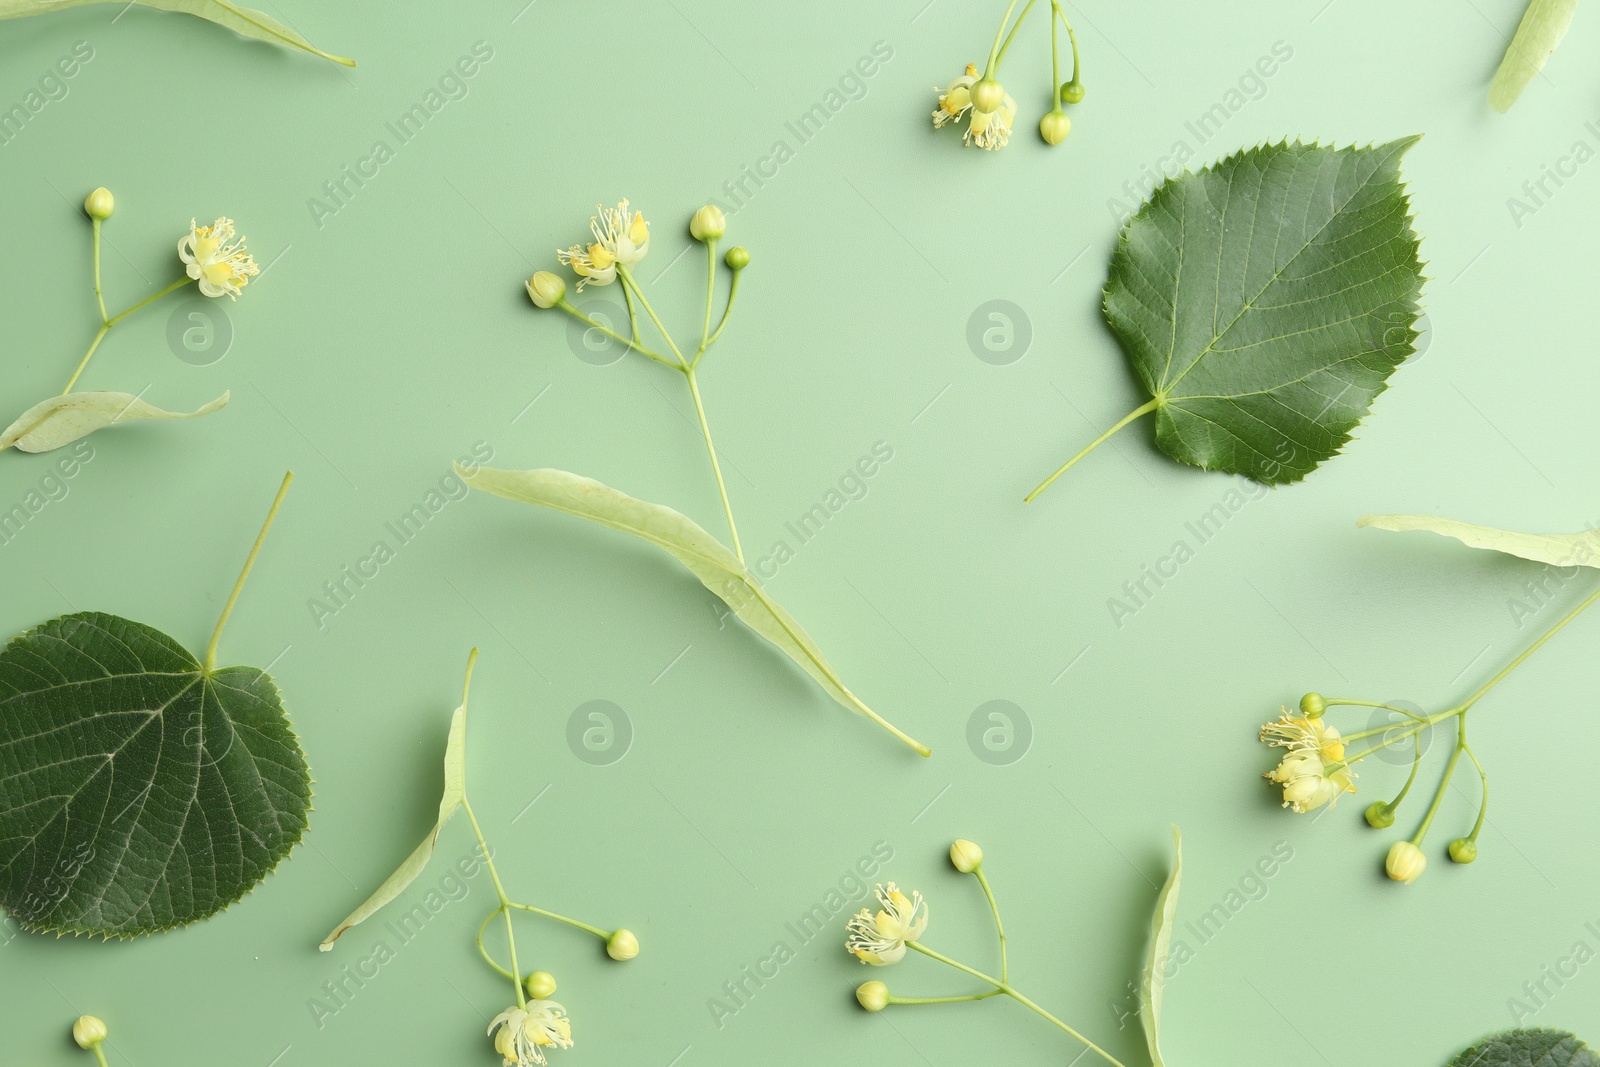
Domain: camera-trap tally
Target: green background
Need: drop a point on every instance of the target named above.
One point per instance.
(395, 336)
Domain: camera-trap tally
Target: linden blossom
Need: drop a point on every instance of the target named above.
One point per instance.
(341, 189)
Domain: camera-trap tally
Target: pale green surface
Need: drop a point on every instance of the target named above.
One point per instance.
(383, 346)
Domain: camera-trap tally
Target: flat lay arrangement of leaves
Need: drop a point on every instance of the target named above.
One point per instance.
(1543, 25)
(214, 258)
(141, 789)
(621, 240)
(981, 101)
(1317, 767)
(242, 20)
(1263, 303)
(882, 938)
(524, 1031)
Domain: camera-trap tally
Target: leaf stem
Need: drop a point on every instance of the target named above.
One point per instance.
(250, 561)
(1138, 412)
(245, 15)
(1018, 997)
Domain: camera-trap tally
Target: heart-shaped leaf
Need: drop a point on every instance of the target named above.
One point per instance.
(1543, 25)
(1153, 986)
(455, 793)
(1580, 549)
(239, 19)
(718, 569)
(1529, 1048)
(63, 419)
(1263, 304)
(140, 788)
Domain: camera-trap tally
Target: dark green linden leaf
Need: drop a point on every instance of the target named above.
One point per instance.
(138, 791)
(1529, 1048)
(1265, 301)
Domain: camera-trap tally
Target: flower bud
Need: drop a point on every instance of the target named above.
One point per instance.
(738, 257)
(965, 856)
(547, 289)
(708, 224)
(1380, 816)
(1054, 127)
(622, 945)
(1406, 862)
(988, 95)
(88, 1031)
(1312, 705)
(1463, 850)
(541, 985)
(1072, 92)
(99, 204)
(874, 996)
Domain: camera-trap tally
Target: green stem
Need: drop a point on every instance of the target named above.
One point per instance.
(1055, 57)
(999, 36)
(1416, 764)
(505, 905)
(1001, 56)
(711, 288)
(250, 561)
(100, 1057)
(633, 317)
(1138, 412)
(1438, 797)
(630, 282)
(1018, 997)
(985, 995)
(604, 935)
(1370, 704)
(1514, 664)
(733, 292)
(634, 344)
(99, 299)
(484, 952)
(1072, 37)
(999, 927)
(106, 325)
(1483, 777)
(716, 467)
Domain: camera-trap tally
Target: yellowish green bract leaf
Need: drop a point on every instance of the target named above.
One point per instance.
(1264, 302)
(63, 419)
(718, 569)
(1559, 550)
(241, 20)
(140, 789)
(455, 791)
(1152, 988)
(1541, 29)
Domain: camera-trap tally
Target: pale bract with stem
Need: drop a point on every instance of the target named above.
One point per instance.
(534, 1024)
(882, 938)
(214, 258)
(1319, 764)
(981, 101)
(620, 241)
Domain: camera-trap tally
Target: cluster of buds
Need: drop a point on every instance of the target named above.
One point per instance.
(983, 103)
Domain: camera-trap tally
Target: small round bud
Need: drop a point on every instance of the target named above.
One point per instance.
(1312, 705)
(1463, 850)
(88, 1031)
(708, 224)
(874, 996)
(1071, 92)
(1405, 863)
(738, 257)
(99, 204)
(547, 289)
(965, 856)
(1054, 127)
(622, 945)
(1380, 816)
(541, 985)
(988, 95)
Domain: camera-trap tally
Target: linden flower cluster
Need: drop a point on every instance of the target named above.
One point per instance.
(881, 939)
(1313, 771)
(990, 112)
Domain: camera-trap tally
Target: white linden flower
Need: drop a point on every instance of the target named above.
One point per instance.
(525, 1032)
(881, 939)
(621, 238)
(956, 98)
(216, 258)
(992, 129)
(1313, 771)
